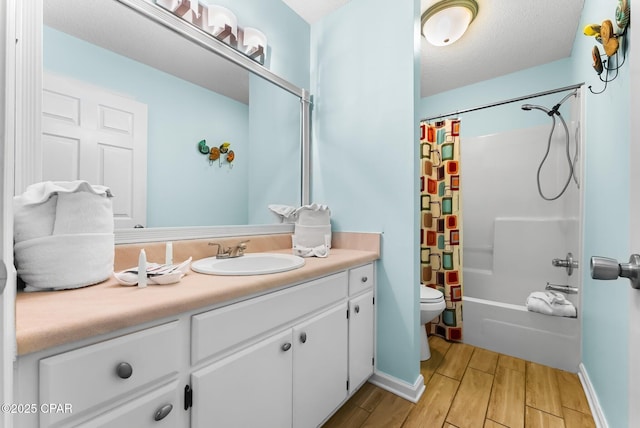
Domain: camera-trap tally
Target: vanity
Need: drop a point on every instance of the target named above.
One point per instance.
(279, 350)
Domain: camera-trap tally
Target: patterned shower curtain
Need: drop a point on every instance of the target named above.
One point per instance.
(441, 222)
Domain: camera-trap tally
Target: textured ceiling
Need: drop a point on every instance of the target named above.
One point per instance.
(506, 36)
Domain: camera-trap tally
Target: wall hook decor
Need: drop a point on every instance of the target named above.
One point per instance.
(215, 153)
(612, 43)
(202, 147)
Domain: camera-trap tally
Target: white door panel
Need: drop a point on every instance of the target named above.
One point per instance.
(91, 134)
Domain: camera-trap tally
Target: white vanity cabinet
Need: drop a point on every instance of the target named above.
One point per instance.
(293, 369)
(319, 367)
(95, 378)
(361, 325)
(287, 358)
(251, 388)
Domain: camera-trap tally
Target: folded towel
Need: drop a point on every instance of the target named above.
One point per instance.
(319, 251)
(286, 213)
(33, 221)
(83, 212)
(550, 303)
(60, 207)
(313, 215)
(61, 262)
(40, 192)
(63, 235)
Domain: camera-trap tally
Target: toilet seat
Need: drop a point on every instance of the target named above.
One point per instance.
(430, 295)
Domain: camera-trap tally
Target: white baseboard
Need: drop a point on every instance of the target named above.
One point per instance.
(399, 387)
(592, 398)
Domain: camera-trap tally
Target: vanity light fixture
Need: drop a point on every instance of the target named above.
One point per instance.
(254, 44)
(446, 21)
(222, 23)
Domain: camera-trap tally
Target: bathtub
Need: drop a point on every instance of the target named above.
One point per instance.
(513, 330)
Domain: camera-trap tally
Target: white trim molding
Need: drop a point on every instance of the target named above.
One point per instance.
(399, 387)
(592, 398)
(159, 234)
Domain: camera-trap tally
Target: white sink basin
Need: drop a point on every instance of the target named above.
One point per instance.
(249, 264)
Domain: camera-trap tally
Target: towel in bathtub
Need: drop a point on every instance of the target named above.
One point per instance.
(63, 235)
(551, 303)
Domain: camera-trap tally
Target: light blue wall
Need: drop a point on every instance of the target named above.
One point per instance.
(274, 150)
(606, 224)
(365, 154)
(287, 35)
(509, 116)
(606, 191)
(191, 192)
(182, 188)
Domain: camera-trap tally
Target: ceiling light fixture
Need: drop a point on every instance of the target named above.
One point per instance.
(222, 23)
(446, 21)
(254, 44)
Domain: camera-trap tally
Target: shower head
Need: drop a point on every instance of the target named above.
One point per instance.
(528, 107)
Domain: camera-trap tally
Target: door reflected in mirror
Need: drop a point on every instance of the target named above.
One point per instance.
(191, 95)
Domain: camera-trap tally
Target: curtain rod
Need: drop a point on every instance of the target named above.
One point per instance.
(512, 100)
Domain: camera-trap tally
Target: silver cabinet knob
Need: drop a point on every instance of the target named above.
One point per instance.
(286, 347)
(606, 268)
(364, 279)
(124, 370)
(357, 309)
(303, 337)
(162, 412)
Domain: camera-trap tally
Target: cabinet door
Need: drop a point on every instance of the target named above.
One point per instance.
(360, 339)
(251, 388)
(319, 366)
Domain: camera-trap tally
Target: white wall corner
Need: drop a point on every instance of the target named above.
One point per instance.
(592, 398)
(399, 387)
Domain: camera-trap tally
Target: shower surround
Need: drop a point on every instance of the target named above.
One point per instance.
(511, 237)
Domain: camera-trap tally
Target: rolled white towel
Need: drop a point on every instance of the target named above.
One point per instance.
(33, 221)
(550, 303)
(36, 210)
(60, 262)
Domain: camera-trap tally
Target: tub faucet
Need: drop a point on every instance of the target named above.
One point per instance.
(230, 252)
(568, 263)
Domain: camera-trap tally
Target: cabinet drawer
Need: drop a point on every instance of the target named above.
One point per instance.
(88, 377)
(157, 409)
(219, 329)
(360, 279)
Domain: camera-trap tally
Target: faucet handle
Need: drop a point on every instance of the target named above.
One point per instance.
(242, 245)
(222, 251)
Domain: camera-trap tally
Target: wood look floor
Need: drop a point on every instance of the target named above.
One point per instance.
(468, 387)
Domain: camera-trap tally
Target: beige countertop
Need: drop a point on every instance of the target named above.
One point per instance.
(50, 318)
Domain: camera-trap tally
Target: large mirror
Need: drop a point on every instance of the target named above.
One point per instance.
(187, 98)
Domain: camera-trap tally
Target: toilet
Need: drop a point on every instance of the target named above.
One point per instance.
(431, 305)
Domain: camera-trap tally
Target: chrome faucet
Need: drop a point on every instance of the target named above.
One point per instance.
(230, 252)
